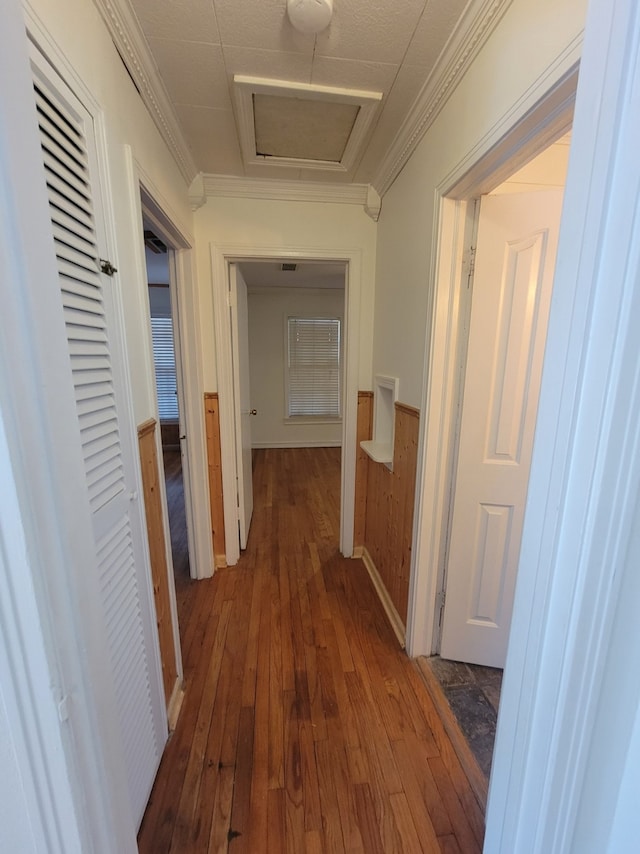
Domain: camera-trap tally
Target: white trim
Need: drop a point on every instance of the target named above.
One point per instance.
(188, 363)
(49, 478)
(34, 724)
(582, 510)
(245, 88)
(439, 396)
(127, 35)
(221, 256)
(394, 618)
(522, 132)
(479, 20)
(436, 434)
(207, 184)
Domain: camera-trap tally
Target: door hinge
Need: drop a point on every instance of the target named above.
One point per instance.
(230, 300)
(469, 263)
(63, 709)
(440, 599)
(107, 267)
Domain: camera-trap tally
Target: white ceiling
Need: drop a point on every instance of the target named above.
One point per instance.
(308, 274)
(386, 46)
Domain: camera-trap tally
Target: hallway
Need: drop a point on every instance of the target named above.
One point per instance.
(304, 728)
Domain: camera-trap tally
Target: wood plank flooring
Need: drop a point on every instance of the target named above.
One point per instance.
(172, 463)
(304, 727)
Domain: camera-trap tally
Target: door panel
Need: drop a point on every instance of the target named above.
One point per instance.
(96, 371)
(517, 237)
(242, 394)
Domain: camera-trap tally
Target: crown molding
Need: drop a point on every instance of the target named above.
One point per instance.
(132, 46)
(206, 185)
(478, 22)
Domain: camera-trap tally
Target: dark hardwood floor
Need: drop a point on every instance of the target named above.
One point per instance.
(304, 727)
(178, 527)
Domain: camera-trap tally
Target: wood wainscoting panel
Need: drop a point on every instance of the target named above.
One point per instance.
(147, 449)
(364, 431)
(214, 459)
(390, 507)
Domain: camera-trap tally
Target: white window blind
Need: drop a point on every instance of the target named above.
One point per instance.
(165, 364)
(313, 367)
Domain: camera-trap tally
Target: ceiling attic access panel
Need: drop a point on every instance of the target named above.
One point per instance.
(300, 125)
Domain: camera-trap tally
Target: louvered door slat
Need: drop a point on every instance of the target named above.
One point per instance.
(70, 225)
(60, 202)
(79, 203)
(82, 322)
(98, 435)
(89, 377)
(68, 176)
(50, 103)
(63, 237)
(65, 130)
(131, 676)
(73, 272)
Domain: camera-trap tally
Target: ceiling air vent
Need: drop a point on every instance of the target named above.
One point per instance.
(302, 125)
(153, 242)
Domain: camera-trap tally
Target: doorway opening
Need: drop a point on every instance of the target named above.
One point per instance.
(287, 319)
(226, 259)
(157, 257)
(504, 305)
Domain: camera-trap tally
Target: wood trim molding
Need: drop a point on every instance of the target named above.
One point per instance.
(150, 471)
(175, 704)
(474, 772)
(389, 512)
(394, 618)
(131, 44)
(480, 19)
(146, 427)
(364, 431)
(214, 466)
(408, 410)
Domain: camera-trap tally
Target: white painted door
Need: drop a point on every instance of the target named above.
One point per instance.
(515, 261)
(242, 398)
(88, 293)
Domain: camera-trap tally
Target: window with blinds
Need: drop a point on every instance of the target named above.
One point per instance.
(313, 367)
(165, 365)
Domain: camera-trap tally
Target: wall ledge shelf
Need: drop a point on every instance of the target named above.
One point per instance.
(380, 452)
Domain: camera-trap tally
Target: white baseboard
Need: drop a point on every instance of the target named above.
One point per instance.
(383, 594)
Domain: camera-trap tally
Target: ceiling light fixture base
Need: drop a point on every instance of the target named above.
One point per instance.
(310, 16)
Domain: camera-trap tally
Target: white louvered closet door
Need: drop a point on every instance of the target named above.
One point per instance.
(96, 363)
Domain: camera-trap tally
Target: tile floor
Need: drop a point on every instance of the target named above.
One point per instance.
(473, 693)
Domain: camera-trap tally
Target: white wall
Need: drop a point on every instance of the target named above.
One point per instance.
(78, 31)
(267, 223)
(268, 309)
(547, 171)
(530, 36)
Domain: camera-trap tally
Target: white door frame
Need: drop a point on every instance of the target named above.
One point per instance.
(502, 152)
(221, 257)
(147, 200)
